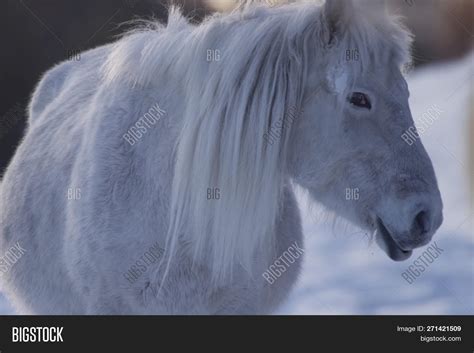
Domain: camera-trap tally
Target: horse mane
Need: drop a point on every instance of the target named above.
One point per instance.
(266, 53)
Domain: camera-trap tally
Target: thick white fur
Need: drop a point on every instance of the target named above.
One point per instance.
(155, 191)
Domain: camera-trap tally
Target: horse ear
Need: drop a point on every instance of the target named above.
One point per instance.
(336, 15)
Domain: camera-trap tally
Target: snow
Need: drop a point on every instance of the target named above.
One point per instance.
(343, 274)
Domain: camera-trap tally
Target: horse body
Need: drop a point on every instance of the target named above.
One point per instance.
(74, 142)
(87, 201)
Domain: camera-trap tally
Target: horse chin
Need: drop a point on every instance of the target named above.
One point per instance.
(386, 242)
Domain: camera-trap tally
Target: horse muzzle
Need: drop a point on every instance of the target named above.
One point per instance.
(408, 224)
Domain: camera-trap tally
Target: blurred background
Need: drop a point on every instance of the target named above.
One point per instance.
(342, 274)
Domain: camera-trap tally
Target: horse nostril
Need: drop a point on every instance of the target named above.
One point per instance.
(422, 223)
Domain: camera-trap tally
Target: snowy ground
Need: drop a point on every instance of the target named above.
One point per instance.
(344, 275)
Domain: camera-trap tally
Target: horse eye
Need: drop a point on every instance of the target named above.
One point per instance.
(360, 99)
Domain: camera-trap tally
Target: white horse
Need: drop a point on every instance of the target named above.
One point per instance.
(156, 174)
